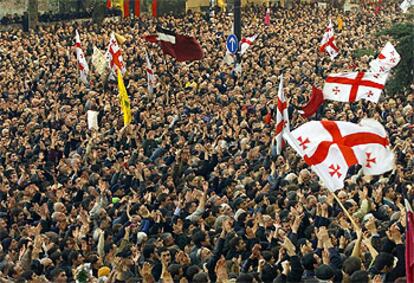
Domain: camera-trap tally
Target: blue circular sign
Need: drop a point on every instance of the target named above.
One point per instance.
(232, 43)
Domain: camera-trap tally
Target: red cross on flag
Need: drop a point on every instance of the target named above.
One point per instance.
(328, 42)
(114, 55)
(282, 116)
(386, 60)
(331, 147)
(82, 64)
(246, 42)
(350, 87)
(152, 81)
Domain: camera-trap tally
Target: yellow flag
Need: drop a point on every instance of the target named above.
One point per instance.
(340, 23)
(121, 39)
(120, 5)
(124, 100)
(222, 4)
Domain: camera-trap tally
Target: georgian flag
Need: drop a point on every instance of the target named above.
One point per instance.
(353, 86)
(282, 117)
(328, 42)
(331, 147)
(406, 4)
(246, 42)
(114, 56)
(387, 59)
(150, 75)
(82, 64)
(267, 17)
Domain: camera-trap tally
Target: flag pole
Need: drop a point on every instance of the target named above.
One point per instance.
(346, 211)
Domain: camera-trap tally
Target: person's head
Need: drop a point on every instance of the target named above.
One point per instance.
(245, 278)
(176, 271)
(310, 261)
(164, 254)
(191, 271)
(268, 257)
(360, 276)
(201, 277)
(148, 251)
(238, 244)
(199, 238)
(351, 265)
(168, 239)
(325, 272)
(58, 275)
(384, 262)
(389, 193)
(205, 254)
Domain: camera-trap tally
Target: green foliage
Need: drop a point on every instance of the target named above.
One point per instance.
(403, 74)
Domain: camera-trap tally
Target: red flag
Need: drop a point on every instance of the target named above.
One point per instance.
(181, 47)
(154, 8)
(137, 8)
(108, 4)
(409, 246)
(315, 101)
(151, 38)
(126, 9)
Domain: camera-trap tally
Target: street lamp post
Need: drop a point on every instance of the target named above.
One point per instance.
(237, 23)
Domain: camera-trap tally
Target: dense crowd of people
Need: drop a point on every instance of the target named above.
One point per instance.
(192, 190)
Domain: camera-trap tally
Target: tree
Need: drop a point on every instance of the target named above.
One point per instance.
(403, 33)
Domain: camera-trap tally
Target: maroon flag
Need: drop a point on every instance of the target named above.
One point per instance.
(181, 47)
(154, 8)
(316, 100)
(137, 8)
(409, 246)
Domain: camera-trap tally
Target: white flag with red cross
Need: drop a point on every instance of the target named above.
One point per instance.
(114, 56)
(282, 117)
(82, 64)
(152, 81)
(353, 86)
(246, 42)
(405, 5)
(331, 147)
(328, 42)
(386, 60)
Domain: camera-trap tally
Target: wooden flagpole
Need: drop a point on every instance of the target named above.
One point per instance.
(346, 211)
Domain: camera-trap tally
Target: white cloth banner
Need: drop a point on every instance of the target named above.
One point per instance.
(93, 119)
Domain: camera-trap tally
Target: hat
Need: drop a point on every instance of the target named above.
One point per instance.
(104, 271)
(141, 237)
(324, 272)
(238, 213)
(238, 201)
